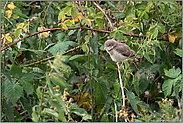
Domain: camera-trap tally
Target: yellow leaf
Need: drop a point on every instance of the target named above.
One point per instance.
(9, 13)
(40, 29)
(25, 27)
(64, 26)
(45, 34)
(20, 25)
(68, 22)
(76, 20)
(73, 21)
(148, 34)
(11, 6)
(63, 18)
(8, 38)
(171, 38)
(80, 16)
(88, 21)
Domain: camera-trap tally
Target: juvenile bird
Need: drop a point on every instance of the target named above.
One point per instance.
(119, 52)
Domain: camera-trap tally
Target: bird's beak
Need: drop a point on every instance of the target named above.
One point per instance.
(105, 48)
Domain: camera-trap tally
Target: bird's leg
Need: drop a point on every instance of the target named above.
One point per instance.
(120, 65)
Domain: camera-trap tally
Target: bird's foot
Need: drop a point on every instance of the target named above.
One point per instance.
(119, 66)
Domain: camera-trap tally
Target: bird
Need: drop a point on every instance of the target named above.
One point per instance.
(119, 52)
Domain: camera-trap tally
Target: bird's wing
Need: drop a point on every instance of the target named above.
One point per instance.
(125, 50)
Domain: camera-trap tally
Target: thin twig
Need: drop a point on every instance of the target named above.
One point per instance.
(157, 12)
(105, 15)
(49, 57)
(161, 116)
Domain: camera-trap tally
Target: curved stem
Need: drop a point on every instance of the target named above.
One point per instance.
(105, 15)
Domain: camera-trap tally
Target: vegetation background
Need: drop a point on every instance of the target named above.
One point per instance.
(54, 66)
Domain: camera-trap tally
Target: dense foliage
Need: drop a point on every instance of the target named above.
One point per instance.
(54, 66)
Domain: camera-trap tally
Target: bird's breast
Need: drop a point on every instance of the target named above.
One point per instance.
(116, 56)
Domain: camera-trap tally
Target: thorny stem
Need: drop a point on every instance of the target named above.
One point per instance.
(73, 28)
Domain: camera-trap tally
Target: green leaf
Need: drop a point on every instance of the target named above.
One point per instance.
(100, 23)
(77, 57)
(178, 52)
(69, 3)
(35, 117)
(161, 27)
(178, 86)
(59, 109)
(86, 117)
(8, 110)
(104, 118)
(99, 15)
(122, 30)
(13, 91)
(131, 98)
(74, 79)
(143, 82)
(67, 9)
(112, 33)
(61, 37)
(172, 73)
(120, 15)
(71, 32)
(146, 16)
(119, 36)
(20, 14)
(37, 70)
(140, 6)
(74, 13)
(94, 44)
(130, 13)
(27, 86)
(18, 33)
(152, 27)
(147, 57)
(144, 105)
(80, 111)
(110, 4)
(166, 9)
(155, 33)
(101, 90)
(50, 112)
(26, 104)
(85, 48)
(28, 76)
(60, 15)
(59, 99)
(5, 72)
(167, 86)
(38, 92)
(60, 81)
(16, 71)
(136, 84)
(61, 47)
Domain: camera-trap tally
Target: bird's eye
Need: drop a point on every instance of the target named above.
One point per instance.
(109, 44)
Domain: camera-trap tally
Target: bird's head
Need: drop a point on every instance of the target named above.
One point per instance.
(110, 44)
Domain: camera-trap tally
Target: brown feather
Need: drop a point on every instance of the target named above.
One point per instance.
(125, 50)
